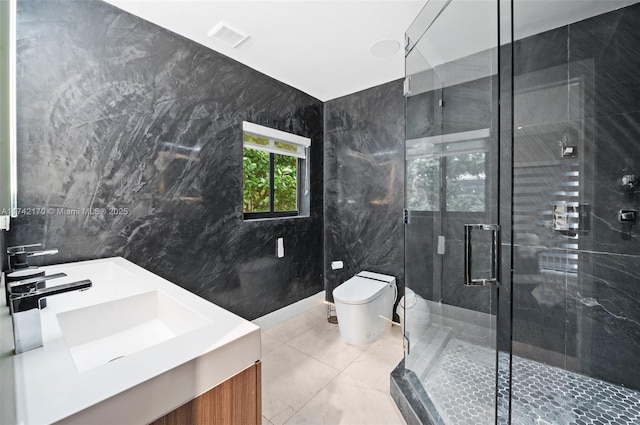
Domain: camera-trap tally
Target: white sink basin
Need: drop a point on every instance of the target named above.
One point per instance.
(105, 332)
(176, 346)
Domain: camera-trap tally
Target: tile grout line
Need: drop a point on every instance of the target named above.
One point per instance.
(321, 388)
(314, 396)
(324, 362)
(312, 357)
(340, 372)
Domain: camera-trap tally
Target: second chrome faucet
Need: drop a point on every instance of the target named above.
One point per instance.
(25, 300)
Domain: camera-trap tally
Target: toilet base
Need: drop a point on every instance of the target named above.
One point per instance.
(362, 324)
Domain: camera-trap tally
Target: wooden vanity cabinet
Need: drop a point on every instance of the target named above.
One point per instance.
(237, 400)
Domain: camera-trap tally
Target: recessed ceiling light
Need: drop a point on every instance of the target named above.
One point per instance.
(227, 34)
(384, 48)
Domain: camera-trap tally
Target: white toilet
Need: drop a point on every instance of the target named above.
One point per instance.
(364, 306)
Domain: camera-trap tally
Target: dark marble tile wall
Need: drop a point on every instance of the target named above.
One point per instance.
(129, 137)
(423, 266)
(608, 47)
(527, 52)
(543, 320)
(364, 183)
(586, 321)
(504, 130)
(467, 107)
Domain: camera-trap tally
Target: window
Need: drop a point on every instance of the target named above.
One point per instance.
(447, 173)
(275, 172)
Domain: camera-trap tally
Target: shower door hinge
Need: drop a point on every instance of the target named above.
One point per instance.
(441, 103)
(407, 86)
(405, 343)
(406, 217)
(408, 44)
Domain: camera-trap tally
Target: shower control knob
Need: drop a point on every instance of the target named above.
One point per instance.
(629, 182)
(628, 216)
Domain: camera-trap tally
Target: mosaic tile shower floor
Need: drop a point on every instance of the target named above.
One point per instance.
(461, 387)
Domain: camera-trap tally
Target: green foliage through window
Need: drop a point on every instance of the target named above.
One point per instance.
(463, 186)
(465, 179)
(286, 183)
(256, 181)
(264, 182)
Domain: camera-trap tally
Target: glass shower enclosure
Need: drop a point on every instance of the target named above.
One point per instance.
(522, 248)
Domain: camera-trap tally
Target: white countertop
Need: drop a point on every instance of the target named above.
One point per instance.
(136, 389)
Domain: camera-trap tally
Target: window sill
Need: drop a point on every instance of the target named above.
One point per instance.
(293, 217)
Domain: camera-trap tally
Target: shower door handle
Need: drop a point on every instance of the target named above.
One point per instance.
(493, 280)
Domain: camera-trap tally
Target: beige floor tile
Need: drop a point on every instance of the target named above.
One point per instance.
(395, 409)
(266, 421)
(290, 379)
(325, 345)
(320, 311)
(282, 417)
(347, 401)
(394, 334)
(297, 325)
(375, 365)
(269, 343)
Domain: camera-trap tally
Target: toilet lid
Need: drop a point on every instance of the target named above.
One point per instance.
(359, 290)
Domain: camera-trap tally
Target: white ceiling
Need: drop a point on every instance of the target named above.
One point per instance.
(322, 47)
(318, 47)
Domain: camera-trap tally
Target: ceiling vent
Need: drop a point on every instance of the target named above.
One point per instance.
(228, 35)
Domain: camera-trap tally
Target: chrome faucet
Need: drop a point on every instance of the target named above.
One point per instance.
(18, 260)
(25, 311)
(18, 255)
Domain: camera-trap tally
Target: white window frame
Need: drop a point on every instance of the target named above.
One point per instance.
(301, 145)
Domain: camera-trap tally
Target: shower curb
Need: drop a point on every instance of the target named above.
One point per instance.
(403, 394)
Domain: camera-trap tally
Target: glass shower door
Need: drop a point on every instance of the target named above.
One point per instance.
(576, 256)
(452, 229)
